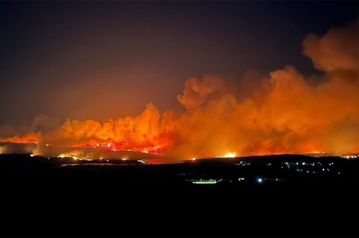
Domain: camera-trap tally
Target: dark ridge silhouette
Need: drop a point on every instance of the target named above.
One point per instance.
(242, 196)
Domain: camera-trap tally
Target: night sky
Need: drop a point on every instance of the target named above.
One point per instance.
(97, 60)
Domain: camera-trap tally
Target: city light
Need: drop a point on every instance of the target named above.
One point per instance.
(206, 181)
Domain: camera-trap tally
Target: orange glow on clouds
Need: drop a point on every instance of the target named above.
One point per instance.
(282, 112)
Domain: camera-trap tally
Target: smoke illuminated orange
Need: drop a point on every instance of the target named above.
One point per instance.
(283, 112)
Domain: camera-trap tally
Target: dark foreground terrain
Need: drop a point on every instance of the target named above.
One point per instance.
(286, 195)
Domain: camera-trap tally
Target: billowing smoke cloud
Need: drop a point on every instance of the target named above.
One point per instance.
(198, 91)
(336, 51)
(282, 112)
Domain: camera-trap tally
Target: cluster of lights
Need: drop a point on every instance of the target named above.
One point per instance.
(350, 156)
(313, 164)
(309, 167)
(258, 180)
(206, 181)
(243, 163)
(261, 180)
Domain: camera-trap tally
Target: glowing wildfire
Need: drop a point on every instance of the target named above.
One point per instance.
(283, 112)
(230, 155)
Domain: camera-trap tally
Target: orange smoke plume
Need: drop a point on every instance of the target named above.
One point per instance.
(31, 138)
(283, 112)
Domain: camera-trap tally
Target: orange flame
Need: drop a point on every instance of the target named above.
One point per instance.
(31, 138)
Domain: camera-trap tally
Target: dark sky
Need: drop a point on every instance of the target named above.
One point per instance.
(95, 60)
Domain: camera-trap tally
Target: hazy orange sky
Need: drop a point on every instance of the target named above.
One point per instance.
(100, 60)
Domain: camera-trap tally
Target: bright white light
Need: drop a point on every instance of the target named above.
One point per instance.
(32, 155)
(194, 158)
(124, 158)
(205, 181)
(230, 155)
(259, 180)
